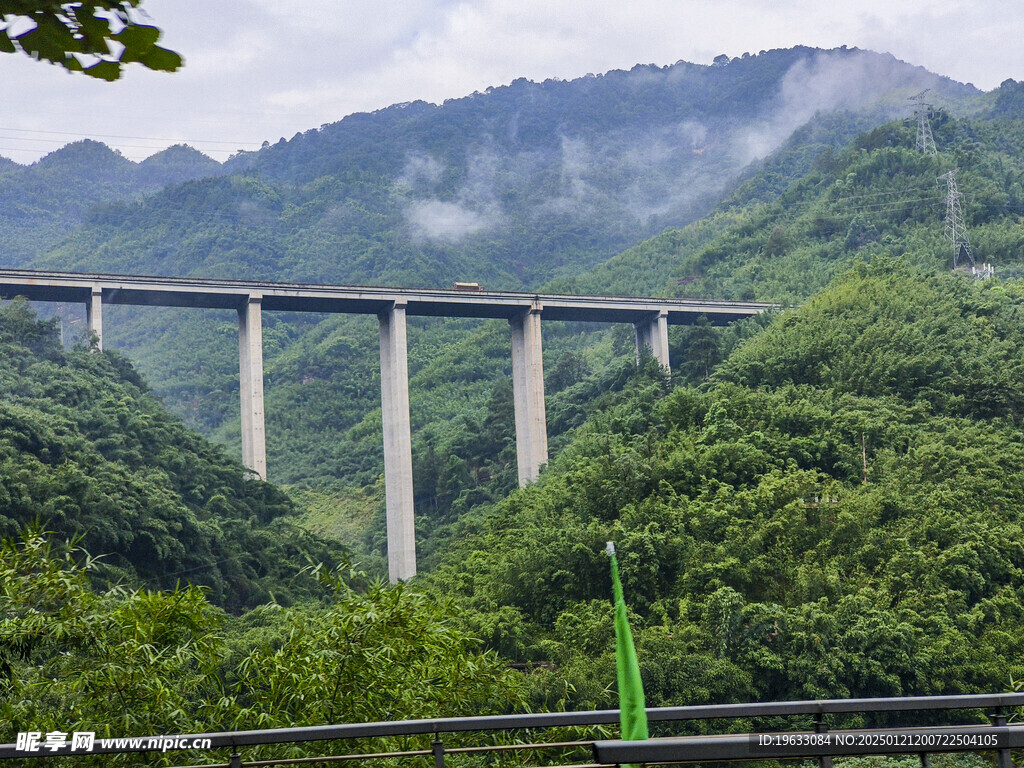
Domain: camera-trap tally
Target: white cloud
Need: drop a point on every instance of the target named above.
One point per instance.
(420, 170)
(825, 83)
(263, 69)
(447, 222)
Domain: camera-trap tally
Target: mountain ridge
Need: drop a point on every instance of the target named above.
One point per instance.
(498, 167)
(42, 203)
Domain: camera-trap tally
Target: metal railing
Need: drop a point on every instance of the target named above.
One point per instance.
(999, 736)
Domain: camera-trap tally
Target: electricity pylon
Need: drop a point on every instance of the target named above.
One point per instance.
(923, 113)
(955, 228)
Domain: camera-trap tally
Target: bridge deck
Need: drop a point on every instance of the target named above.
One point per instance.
(40, 285)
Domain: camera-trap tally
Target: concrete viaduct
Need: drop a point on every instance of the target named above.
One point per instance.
(649, 316)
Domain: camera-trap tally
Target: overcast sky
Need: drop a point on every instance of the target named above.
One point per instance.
(258, 70)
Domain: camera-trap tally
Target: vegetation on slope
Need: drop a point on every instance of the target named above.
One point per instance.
(41, 204)
(138, 662)
(783, 238)
(876, 197)
(87, 452)
(776, 237)
(836, 513)
(87, 642)
(807, 523)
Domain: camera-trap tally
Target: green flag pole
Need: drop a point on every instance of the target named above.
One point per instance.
(632, 707)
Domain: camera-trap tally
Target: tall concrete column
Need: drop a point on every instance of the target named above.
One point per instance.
(250, 368)
(653, 333)
(394, 398)
(528, 391)
(94, 316)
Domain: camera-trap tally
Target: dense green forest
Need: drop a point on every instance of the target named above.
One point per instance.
(89, 454)
(835, 513)
(132, 661)
(785, 237)
(768, 240)
(797, 220)
(41, 204)
(149, 585)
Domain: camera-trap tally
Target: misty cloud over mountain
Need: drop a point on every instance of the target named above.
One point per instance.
(643, 173)
(831, 81)
(549, 174)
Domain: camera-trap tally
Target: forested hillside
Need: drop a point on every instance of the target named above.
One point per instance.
(40, 205)
(89, 454)
(147, 585)
(124, 661)
(769, 240)
(510, 187)
(785, 237)
(837, 512)
(786, 228)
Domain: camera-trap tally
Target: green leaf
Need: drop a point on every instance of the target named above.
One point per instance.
(57, 31)
(104, 70)
(161, 59)
(138, 40)
(50, 40)
(94, 29)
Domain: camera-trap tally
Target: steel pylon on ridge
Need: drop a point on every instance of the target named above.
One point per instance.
(922, 113)
(955, 228)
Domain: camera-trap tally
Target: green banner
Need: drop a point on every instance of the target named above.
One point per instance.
(632, 708)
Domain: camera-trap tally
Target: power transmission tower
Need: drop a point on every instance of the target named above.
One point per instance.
(923, 113)
(955, 228)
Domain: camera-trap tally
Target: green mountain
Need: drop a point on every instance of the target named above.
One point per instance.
(342, 203)
(877, 197)
(821, 503)
(783, 236)
(835, 512)
(41, 204)
(511, 186)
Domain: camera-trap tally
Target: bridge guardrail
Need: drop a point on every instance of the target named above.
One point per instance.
(1000, 736)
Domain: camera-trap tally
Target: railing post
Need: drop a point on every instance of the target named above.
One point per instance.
(235, 761)
(438, 746)
(1003, 758)
(820, 727)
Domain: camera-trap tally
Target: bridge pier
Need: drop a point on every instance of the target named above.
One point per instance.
(528, 393)
(394, 395)
(94, 316)
(653, 333)
(250, 380)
